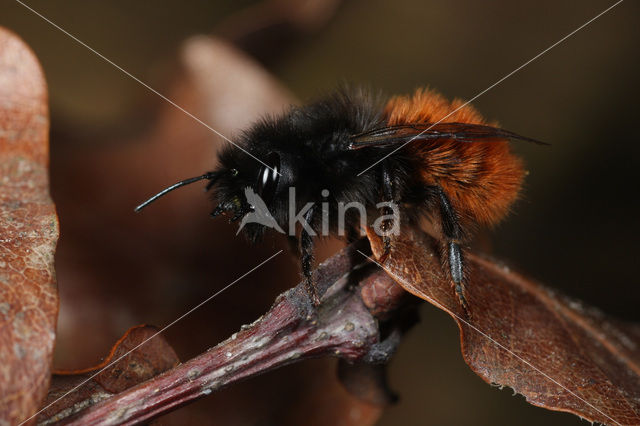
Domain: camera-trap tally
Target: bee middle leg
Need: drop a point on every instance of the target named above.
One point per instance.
(453, 234)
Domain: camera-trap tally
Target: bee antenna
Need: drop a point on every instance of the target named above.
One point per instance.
(213, 176)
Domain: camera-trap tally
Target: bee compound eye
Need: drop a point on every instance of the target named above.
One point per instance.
(268, 178)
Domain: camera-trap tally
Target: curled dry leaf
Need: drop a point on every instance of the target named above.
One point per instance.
(150, 359)
(69, 393)
(557, 353)
(28, 233)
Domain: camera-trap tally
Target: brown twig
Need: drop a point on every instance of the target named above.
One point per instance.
(345, 324)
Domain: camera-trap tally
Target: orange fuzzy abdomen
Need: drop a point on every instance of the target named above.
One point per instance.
(482, 179)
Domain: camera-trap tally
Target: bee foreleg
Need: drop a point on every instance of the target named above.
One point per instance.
(452, 232)
(306, 257)
(353, 234)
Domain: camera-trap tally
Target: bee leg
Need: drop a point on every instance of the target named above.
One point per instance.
(306, 258)
(453, 233)
(387, 224)
(294, 245)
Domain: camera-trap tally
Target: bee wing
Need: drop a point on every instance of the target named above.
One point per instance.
(405, 133)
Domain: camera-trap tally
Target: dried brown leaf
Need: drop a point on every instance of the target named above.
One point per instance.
(72, 391)
(557, 353)
(133, 364)
(28, 231)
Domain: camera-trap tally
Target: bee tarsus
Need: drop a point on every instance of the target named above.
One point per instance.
(388, 195)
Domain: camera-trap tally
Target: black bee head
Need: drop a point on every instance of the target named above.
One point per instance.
(250, 184)
(253, 188)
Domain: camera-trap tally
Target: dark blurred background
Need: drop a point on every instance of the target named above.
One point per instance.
(575, 228)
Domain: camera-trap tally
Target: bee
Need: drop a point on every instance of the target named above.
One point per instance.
(456, 170)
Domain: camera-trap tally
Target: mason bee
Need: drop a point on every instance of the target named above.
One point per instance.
(347, 149)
